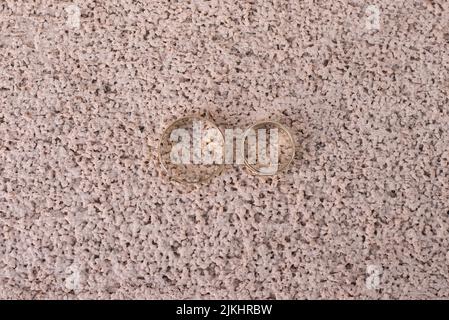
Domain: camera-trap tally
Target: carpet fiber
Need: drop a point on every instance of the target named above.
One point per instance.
(87, 88)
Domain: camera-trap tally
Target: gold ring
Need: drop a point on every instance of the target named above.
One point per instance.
(286, 159)
(188, 173)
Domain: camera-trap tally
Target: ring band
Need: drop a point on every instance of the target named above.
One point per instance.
(292, 145)
(216, 169)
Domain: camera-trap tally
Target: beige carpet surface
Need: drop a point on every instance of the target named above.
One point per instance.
(87, 212)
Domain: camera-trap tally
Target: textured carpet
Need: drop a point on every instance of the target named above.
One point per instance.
(87, 212)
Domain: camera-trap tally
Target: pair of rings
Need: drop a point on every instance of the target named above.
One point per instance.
(217, 149)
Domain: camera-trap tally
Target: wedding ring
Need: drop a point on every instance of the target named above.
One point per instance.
(182, 150)
(280, 146)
